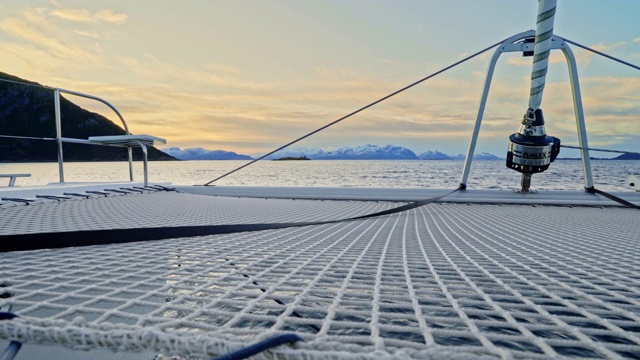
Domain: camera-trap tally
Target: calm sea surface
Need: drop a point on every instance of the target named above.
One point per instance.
(563, 174)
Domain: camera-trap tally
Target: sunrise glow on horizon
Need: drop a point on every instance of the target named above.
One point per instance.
(249, 76)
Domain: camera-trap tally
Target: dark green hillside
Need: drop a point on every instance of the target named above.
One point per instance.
(29, 111)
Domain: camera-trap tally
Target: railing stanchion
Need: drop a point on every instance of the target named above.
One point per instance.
(579, 112)
(56, 97)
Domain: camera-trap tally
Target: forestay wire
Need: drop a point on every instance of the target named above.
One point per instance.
(603, 150)
(602, 54)
(359, 110)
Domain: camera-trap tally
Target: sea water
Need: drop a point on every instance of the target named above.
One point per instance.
(608, 175)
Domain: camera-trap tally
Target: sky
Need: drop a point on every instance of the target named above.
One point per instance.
(249, 76)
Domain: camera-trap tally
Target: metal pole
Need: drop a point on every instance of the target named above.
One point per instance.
(144, 159)
(579, 112)
(56, 98)
(505, 47)
(476, 129)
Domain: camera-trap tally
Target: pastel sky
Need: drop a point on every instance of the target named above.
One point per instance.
(249, 76)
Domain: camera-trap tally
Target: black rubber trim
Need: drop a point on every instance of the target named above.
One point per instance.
(36, 241)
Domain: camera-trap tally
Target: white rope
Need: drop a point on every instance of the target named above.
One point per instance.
(444, 280)
(514, 251)
(582, 337)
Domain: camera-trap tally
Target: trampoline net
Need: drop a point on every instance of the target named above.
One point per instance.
(443, 279)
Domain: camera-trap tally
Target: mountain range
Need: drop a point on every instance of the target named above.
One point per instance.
(204, 154)
(361, 152)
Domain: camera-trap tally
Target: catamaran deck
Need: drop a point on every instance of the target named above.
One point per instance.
(515, 278)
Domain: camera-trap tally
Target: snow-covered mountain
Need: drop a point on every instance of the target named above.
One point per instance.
(478, 156)
(361, 152)
(204, 154)
(434, 155)
(485, 156)
(370, 152)
(294, 152)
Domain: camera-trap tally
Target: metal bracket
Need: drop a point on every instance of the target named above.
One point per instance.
(514, 44)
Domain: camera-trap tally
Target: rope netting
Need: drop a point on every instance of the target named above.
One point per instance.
(166, 209)
(446, 280)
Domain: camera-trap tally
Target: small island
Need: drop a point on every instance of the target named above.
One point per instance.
(292, 158)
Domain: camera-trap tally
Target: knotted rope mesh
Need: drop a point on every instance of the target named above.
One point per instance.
(452, 280)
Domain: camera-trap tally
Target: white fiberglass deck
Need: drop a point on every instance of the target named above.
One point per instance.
(445, 279)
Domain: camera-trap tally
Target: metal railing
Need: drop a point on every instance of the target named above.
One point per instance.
(60, 139)
(514, 44)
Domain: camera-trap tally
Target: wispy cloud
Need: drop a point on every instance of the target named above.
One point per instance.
(43, 42)
(72, 15)
(111, 17)
(88, 34)
(35, 30)
(86, 16)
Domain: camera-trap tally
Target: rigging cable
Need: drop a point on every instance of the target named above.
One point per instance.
(602, 54)
(613, 198)
(25, 137)
(359, 110)
(603, 150)
(27, 84)
(609, 196)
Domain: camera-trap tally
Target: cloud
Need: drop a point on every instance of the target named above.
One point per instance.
(72, 15)
(608, 47)
(86, 16)
(111, 17)
(36, 31)
(88, 34)
(41, 44)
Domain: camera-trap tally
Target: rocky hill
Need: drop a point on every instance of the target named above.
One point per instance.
(628, 156)
(28, 111)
